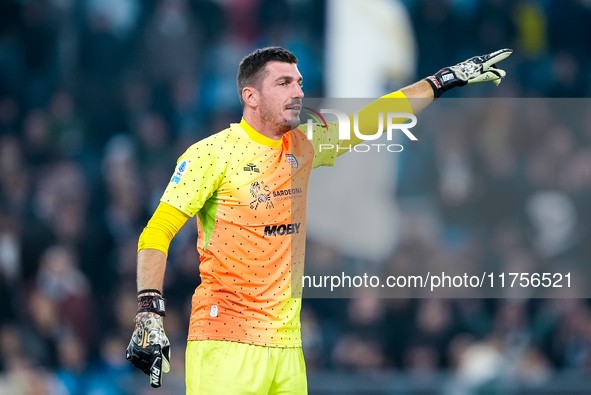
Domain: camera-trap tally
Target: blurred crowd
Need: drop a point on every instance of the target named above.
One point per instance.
(99, 97)
(551, 39)
(497, 185)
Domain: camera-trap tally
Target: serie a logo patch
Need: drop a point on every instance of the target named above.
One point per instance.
(292, 160)
(180, 171)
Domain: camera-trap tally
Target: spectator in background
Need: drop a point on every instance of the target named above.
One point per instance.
(172, 43)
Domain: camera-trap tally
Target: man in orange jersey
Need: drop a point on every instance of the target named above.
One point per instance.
(247, 185)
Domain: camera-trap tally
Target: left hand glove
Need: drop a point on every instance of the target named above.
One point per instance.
(149, 348)
(474, 70)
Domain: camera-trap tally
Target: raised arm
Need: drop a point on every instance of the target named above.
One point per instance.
(414, 98)
(419, 95)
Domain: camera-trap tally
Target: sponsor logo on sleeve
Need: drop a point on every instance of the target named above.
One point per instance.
(180, 171)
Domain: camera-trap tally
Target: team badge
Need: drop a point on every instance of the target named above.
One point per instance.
(292, 160)
(262, 195)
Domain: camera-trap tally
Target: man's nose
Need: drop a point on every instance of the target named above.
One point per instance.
(299, 93)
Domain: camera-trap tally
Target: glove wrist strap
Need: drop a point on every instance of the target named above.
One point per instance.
(435, 85)
(145, 291)
(150, 301)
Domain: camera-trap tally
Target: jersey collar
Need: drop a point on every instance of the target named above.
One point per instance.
(257, 137)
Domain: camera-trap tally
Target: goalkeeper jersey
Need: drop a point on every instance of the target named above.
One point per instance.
(249, 194)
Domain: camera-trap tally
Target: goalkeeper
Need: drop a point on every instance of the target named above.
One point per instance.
(244, 331)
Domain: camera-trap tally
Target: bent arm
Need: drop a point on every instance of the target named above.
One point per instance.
(153, 245)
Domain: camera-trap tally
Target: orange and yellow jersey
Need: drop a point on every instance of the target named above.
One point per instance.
(249, 194)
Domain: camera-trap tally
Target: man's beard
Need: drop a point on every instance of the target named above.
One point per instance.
(282, 126)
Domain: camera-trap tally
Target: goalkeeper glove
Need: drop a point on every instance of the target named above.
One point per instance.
(149, 348)
(477, 69)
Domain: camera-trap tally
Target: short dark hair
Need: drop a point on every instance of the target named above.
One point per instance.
(251, 67)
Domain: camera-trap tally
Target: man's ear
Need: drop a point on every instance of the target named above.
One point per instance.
(250, 96)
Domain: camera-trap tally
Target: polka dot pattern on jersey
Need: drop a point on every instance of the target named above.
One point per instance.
(250, 203)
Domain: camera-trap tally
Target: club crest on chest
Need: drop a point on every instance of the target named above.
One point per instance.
(292, 160)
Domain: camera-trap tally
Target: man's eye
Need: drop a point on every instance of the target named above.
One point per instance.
(282, 83)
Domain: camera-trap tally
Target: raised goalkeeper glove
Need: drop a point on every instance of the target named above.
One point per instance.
(477, 69)
(149, 348)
